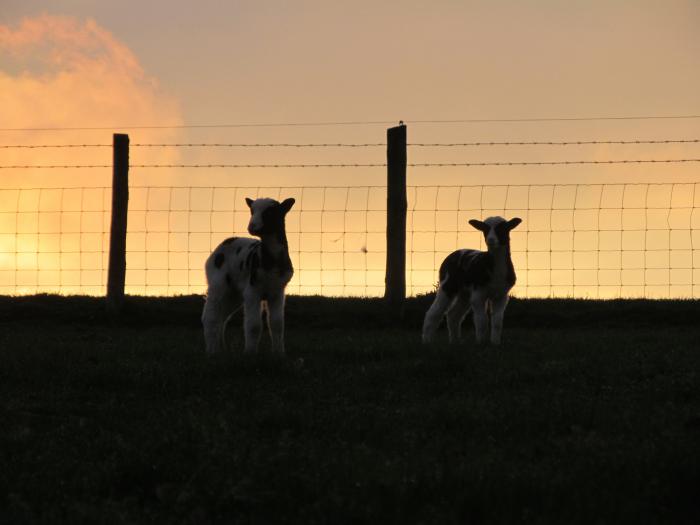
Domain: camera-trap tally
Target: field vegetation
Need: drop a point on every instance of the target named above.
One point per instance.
(588, 413)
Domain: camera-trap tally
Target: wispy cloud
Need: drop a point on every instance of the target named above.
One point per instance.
(60, 71)
(64, 72)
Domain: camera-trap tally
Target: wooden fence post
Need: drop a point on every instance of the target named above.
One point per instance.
(117, 238)
(396, 205)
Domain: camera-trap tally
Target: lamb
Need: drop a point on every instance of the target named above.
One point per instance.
(476, 280)
(253, 271)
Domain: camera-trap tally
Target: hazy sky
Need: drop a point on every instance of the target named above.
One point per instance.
(277, 61)
(111, 64)
(258, 61)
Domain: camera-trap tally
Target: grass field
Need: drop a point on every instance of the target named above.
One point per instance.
(589, 413)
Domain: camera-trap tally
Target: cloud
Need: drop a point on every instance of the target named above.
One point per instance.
(64, 72)
(60, 71)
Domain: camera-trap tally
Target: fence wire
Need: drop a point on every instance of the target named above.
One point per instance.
(362, 165)
(359, 145)
(576, 240)
(336, 236)
(365, 123)
(54, 240)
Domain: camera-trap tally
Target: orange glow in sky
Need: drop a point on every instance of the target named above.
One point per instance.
(97, 66)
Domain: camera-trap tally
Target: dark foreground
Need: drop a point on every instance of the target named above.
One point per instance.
(589, 413)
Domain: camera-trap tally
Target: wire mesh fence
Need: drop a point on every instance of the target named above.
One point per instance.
(578, 240)
(54, 240)
(336, 236)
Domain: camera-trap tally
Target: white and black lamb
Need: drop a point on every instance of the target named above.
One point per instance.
(476, 280)
(254, 272)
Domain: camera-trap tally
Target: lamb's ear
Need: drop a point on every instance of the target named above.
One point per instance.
(249, 202)
(287, 204)
(481, 226)
(513, 222)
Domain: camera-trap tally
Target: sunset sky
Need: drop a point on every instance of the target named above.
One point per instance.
(83, 64)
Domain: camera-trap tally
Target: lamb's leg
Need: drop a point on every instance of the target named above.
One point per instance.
(455, 317)
(478, 303)
(275, 318)
(213, 316)
(432, 318)
(253, 322)
(498, 309)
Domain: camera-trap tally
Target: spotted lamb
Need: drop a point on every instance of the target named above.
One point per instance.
(254, 272)
(476, 280)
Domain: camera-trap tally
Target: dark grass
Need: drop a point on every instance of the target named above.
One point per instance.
(589, 413)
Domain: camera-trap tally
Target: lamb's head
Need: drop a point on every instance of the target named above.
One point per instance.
(267, 215)
(496, 230)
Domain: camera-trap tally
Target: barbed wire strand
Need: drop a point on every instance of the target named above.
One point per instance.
(42, 146)
(552, 143)
(362, 145)
(360, 123)
(359, 165)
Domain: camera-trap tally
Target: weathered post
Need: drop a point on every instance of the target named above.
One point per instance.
(396, 205)
(117, 238)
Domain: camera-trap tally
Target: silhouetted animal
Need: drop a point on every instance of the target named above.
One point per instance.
(476, 280)
(253, 271)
